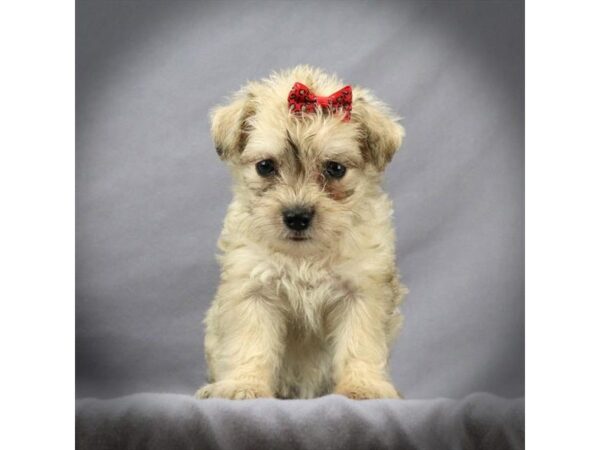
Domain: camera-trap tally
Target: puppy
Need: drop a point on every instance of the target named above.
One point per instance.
(309, 292)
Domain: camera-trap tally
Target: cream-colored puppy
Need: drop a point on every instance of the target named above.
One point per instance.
(309, 293)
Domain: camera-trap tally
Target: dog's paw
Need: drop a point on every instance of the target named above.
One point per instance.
(234, 390)
(365, 390)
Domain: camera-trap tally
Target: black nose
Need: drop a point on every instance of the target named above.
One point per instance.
(298, 219)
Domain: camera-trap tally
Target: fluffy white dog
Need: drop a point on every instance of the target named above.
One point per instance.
(309, 292)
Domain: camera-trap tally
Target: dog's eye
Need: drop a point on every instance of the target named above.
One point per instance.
(334, 169)
(265, 168)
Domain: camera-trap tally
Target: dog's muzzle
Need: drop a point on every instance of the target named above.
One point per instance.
(298, 218)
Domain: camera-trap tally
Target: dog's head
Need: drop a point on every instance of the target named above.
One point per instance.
(303, 180)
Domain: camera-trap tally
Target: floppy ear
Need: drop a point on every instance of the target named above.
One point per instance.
(229, 127)
(382, 134)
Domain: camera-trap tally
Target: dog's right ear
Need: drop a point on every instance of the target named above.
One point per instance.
(229, 125)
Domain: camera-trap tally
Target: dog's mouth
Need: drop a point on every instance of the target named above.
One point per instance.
(298, 238)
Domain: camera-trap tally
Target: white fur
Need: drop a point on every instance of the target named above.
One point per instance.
(302, 319)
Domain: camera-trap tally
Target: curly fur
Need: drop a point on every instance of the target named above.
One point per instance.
(299, 319)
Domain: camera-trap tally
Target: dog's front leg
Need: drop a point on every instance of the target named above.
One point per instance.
(361, 350)
(246, 343)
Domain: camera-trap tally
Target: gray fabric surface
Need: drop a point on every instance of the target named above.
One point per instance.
(152, 194)
(167, 421)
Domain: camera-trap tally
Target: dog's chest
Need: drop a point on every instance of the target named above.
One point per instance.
(308, 290)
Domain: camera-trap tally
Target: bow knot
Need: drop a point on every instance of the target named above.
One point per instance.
(301, 99)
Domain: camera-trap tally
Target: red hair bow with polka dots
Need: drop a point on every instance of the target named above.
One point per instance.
(301, 99)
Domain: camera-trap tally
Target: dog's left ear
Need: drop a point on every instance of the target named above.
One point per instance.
(229, 125)
(381, 132)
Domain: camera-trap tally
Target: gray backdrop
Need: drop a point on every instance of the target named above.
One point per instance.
(152, 194)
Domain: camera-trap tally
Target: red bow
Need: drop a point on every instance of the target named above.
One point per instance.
(301, 99)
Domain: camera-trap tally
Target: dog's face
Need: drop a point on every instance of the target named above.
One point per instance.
(303, 181)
